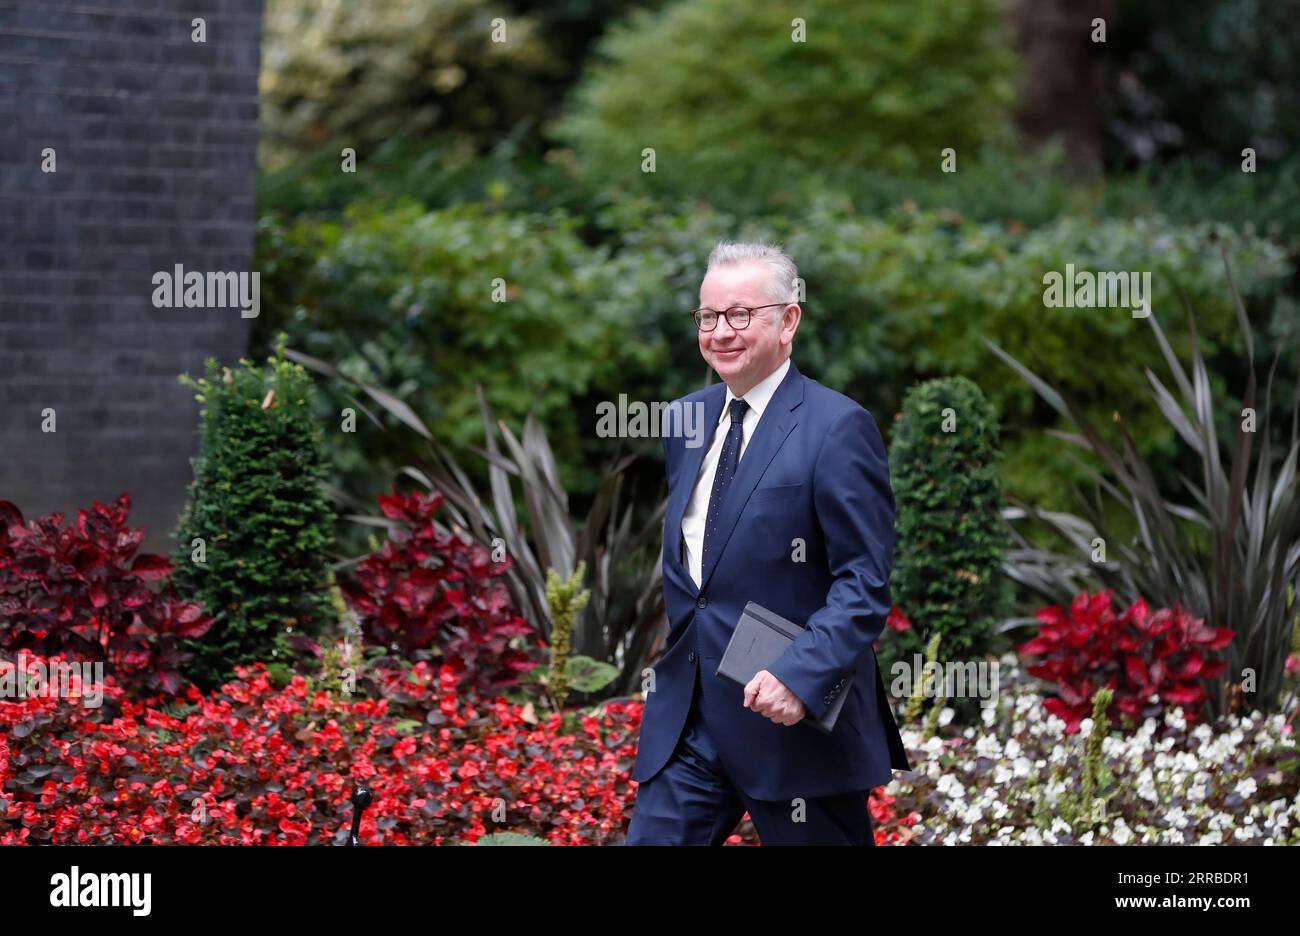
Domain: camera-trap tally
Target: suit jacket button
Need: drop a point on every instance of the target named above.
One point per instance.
(826, 700)
(690, 657)
(703, 602)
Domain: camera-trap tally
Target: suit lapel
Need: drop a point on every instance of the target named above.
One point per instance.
(778, 420)
(688, 475)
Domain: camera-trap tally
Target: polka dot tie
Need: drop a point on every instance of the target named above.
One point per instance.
(727, 463)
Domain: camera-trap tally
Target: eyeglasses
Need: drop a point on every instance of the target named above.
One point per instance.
(738, 317)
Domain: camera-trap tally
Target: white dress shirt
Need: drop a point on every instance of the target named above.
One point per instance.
(697, 507)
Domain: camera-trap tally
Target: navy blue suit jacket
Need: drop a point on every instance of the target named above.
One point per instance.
(815, 470)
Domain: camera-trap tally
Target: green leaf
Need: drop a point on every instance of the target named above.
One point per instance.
(588, 675)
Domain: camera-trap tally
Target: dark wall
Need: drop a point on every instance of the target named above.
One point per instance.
(155, 138)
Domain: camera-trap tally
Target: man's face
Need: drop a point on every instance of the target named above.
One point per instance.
(743, 358)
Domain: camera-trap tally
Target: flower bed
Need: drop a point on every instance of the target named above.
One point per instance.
(1236, 781)
(276, 767)
(255, 764)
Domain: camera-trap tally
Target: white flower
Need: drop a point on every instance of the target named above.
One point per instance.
(949, 786)
(1246, 788)
(988, 746)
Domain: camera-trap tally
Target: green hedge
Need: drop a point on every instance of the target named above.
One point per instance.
(403, 297)
(913, 295)
(258, 505)
(407, 300)
(947, 578)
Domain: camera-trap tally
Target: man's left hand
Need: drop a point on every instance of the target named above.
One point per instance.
(768, 696)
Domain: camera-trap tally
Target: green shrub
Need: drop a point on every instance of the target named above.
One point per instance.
(401, 299)
(356, 73)
(1223, 544)
(910, 296)
(723, 94)
(407, 300)
(258, 505)
(944, 471)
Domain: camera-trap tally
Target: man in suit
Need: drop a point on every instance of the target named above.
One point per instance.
(787, 503)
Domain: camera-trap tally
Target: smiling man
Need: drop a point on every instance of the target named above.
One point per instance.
(788, 504)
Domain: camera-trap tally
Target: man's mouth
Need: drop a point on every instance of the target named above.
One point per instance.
(729, 355)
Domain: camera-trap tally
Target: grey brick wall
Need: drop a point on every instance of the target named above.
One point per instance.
(155, 138)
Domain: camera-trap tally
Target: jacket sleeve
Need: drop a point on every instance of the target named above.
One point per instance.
(855, 508)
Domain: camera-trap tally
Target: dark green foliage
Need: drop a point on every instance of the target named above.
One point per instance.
(1203, 78)
(728, 90)
(1224, 543)
(402, 299)
(944, 471)
(258, 503)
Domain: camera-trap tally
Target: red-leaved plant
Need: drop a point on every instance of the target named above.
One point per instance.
(429, 594)
(255, 764)
(82, 592)
(1149, 658)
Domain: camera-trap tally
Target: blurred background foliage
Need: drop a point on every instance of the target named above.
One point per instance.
(523, 160)
(720, 91)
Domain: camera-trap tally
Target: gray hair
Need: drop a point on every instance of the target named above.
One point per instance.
(783, 276)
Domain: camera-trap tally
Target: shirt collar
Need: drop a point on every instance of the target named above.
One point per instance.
(760, 395)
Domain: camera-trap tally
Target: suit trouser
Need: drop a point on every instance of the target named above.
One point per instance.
(692, 801)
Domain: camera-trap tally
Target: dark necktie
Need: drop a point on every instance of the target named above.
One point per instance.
(727, 463)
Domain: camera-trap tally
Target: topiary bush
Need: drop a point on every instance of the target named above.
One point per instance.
(252, 539)
(950, 535)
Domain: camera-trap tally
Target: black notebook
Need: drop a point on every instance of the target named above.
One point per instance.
(759, 639)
